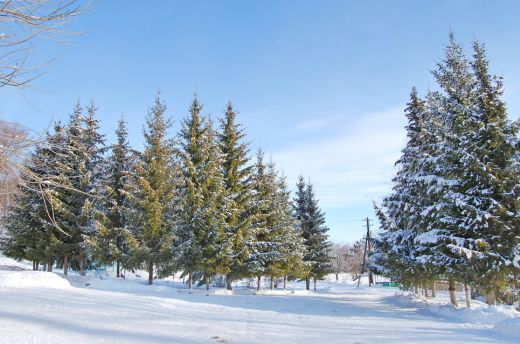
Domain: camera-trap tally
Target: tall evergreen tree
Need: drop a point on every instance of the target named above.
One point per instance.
(292, 247)
(114, 232)
(24, 233)
(317, 240)
(266, 244)
(237, 175)
(461, 198)
(302, 223)
(395, 254)
(203, 204)
(311, 224)
(156, 189)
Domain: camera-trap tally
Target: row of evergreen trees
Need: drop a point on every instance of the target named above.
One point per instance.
(453, 213)
(193, 203)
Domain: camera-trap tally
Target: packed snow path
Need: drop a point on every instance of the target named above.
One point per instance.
(112, 311)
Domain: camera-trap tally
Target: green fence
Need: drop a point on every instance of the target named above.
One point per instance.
(388, 284)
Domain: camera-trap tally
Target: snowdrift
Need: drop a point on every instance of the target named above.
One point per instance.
(509, 328)
(32, 279)
(505, 320)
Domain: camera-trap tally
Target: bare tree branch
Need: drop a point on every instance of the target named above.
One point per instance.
(21, 21)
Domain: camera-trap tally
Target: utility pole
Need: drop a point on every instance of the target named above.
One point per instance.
(365, 255)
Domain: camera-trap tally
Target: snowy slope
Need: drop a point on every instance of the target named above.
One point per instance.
(112, 311)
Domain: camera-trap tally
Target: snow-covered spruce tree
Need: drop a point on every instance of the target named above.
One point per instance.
(292, 247)
(79, 173)
(113, 237)
(311, 225)
(317, 244)
(301, 215)
(395, 253)
(94, 149)
(237, 175)
(25, 236)
(156, 185)
(473, 176)
(472, 201)
(48, 207)
(489, 199)
(59, 218)
(266, 242)
(452, 108)
(203, 203)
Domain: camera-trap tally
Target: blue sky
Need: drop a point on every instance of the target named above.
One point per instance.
(320, 85)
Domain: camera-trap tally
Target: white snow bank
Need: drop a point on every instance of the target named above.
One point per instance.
(509, 328)
(203, 291)
(504, 318)
(32, 279)
(13, 265)
(274, 292)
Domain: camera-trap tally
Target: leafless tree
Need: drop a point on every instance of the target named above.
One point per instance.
(354, 258)
(12, 141)
(338, 258)
(21, 21)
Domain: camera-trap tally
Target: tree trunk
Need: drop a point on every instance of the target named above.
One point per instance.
(65, 265)
(150, 272)
(34, 265)
(434, 292)
(370, 279)
(425, 288)
(337, 276)
(258, 282)
(37, 265)
(314, 280)
(229, 280)
(451, 288)
(416, 289)
(467, 295)
(491, 299)
(190, 280)
(82, 263)
(49, 265)
(272, 282)
(284, 282)
(206, 279)
(118, 273)
(307, 283)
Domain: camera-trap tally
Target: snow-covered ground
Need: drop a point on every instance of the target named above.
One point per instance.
(40, 307)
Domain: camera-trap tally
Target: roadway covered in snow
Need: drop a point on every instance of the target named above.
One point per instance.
(90, 310)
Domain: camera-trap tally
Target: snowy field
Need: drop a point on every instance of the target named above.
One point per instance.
(41, 307)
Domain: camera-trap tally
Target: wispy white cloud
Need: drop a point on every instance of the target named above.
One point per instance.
(351, 167)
